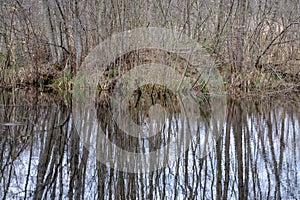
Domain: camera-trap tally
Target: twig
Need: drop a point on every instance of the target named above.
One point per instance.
(273, 41)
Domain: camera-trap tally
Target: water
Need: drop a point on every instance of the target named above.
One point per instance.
(43, 156)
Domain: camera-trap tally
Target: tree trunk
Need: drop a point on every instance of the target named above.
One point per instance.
(78, 45)
(49, 30)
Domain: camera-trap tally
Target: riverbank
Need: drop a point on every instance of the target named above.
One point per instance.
(267, 80)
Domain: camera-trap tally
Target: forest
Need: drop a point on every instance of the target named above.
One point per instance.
(254, 43)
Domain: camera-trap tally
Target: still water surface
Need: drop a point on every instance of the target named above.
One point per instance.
(256, 156)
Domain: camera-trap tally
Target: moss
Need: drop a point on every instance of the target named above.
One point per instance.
(111, 73)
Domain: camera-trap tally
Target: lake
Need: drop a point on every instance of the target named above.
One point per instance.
(49, 150)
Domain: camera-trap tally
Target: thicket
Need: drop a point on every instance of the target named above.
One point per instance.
(254, 43)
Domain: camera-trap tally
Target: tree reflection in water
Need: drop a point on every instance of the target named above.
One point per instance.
(42, 157)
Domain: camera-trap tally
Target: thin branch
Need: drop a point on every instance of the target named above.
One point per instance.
(272, 42)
